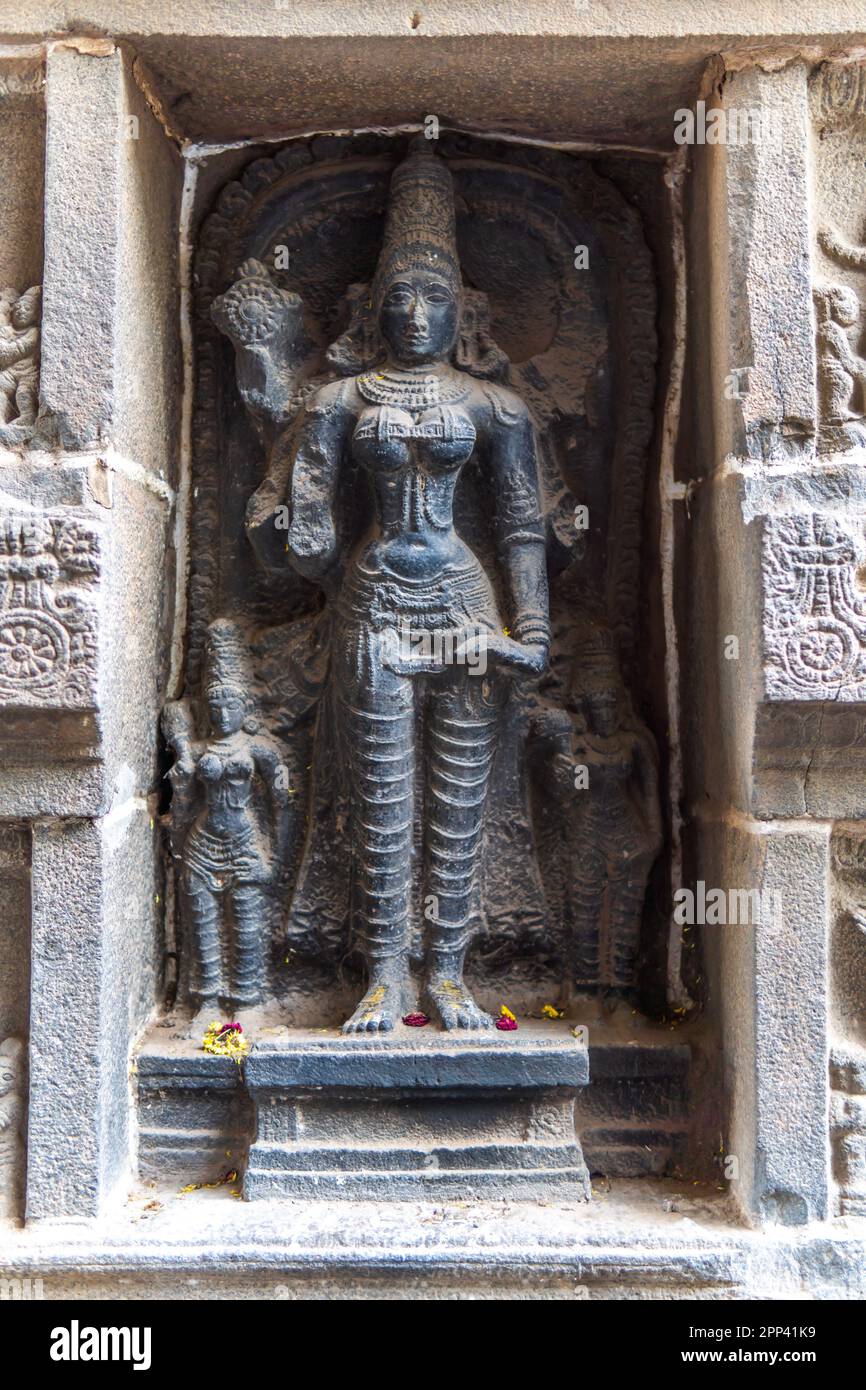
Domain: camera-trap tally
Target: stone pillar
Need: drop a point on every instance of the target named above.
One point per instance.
(752, 500)
(94, 965)
(87, 507)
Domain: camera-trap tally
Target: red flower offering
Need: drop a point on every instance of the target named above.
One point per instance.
(506, 1025)
(415, 1020)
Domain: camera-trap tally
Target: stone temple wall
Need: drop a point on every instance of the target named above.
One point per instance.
(717, 157)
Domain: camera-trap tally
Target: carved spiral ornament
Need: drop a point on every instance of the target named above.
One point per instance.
(825, 652)
(252, 310)
(34, 650)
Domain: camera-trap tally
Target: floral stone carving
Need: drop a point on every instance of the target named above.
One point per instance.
(47, 619)
(815, 612)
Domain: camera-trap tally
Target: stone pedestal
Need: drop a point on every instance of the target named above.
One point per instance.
(416, 1116)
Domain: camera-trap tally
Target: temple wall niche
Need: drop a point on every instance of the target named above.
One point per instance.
(677, 338)
(554, 335)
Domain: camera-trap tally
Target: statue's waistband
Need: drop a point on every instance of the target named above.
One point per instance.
(457, 596)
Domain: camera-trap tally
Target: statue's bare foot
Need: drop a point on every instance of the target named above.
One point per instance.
(379, 1010)
(455, 1005)
(202, 1019)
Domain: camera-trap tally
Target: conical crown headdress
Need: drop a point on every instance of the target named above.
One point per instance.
(420, 227)
(596, 663)
(226, 665)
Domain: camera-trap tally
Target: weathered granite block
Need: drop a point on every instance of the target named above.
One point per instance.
(96, 931)
(352, 1117)
(110, 366)
(773, 1015)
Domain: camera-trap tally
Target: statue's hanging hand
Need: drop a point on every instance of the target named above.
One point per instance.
(519, 659)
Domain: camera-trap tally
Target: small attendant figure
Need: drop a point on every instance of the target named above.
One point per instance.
(19, 363)
(599, 825)
(230, 825)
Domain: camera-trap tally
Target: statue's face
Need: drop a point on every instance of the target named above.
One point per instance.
(603, 706)
(7, 1076)
(847, 307)
(226, 713)
(23, 315)
(418, 318)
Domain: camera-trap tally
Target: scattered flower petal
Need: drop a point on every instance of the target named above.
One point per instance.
(550, 1011)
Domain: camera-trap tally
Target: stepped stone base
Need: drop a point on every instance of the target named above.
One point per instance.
(422, 1117)
(197, 1120)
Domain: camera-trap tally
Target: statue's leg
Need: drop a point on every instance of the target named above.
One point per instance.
(586, 911)
(203, 911)
(27, 400)
(462, 733)
(8, 388)
(379, 729)
(627, 892)
(250, 906)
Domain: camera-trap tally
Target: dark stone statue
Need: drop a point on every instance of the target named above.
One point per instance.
(429, 388)
(424, 720)
(597, 807)
(230, 822)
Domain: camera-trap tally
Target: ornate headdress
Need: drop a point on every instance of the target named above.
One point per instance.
(226, 662)
(13, 1051)
(420, 228)
(596, 662)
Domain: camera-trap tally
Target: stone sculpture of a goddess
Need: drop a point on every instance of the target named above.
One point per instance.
(418, 734)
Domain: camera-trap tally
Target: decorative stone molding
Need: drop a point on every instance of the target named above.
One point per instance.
(47, 619)
(814, 609)
(840, 94)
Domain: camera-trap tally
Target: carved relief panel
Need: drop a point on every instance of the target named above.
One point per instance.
(47, 619)
(838, 100)
(411, 730)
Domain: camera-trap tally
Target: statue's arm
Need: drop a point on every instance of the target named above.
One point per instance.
(321, 444)
(267, 510)
(648, 780)
(512, 457)
(178, 726)
(836, 245)
(12, 350)
(837, 340)
(271, 769)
